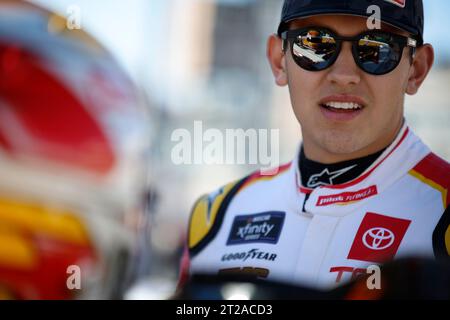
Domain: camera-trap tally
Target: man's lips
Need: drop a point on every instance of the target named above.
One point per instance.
(342, 107)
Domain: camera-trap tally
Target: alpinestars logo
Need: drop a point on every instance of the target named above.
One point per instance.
(326, 177)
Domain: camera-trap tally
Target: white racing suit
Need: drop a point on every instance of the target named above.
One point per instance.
(272, 227)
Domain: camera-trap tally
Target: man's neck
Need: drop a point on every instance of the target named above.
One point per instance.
(315, 174)
(323, 156)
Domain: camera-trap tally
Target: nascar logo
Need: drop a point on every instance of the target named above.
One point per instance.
(400, 3)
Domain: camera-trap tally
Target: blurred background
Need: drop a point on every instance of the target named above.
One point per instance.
(205, 60)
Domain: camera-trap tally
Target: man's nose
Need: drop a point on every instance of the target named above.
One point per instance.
(344, 72)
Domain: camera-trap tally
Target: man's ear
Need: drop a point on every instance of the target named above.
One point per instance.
(277, 59)
(422, 63)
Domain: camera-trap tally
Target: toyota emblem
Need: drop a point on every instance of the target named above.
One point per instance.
(378, 238)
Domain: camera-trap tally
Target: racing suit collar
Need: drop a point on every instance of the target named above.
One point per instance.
(314, 174)
(339, 200)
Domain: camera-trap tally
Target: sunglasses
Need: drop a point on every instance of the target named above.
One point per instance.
(376, 52)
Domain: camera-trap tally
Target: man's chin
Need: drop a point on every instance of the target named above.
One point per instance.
(344, 146)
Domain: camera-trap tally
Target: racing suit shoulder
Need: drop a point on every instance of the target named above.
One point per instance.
(207, 215)
(204, 222)
(209, 210)
(435, 172)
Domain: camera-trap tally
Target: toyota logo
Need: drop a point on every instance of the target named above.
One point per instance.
(378, 238)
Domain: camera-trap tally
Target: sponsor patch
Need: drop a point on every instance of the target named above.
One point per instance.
(247, 271)
(347, 197)
(355, 272)
(250, 254)
(262, 227)
(378, 238)
(400, 3)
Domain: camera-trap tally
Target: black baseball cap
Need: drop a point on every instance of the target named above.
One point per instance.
(404, 14)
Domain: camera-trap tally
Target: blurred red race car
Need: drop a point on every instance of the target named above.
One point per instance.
(73, 146)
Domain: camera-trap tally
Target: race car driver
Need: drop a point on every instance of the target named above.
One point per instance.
(363, 189)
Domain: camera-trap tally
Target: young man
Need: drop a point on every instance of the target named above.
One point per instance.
(363, 188)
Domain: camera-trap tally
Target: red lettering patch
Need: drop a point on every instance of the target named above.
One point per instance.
(346, 196)
(400, 3)
(378, 238)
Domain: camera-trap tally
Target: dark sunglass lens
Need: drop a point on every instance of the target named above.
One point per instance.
(378, 53)
(314, 49)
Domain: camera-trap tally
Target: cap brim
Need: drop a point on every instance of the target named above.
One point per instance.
(310, 13)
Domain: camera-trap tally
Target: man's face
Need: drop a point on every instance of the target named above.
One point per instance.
(331, 136)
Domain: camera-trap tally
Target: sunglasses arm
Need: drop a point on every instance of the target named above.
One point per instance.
(412, 44)
(284, 41)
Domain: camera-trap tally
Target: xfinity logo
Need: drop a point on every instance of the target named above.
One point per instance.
(378, 238)
(251, 254)
(254, 231)
(261, 227)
